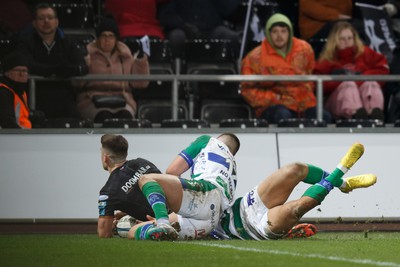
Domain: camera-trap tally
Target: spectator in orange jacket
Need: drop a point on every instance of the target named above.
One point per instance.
(344, 53)
(14, 109)
(280, 54)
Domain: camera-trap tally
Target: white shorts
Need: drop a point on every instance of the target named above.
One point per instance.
(199, 212)
(254, 215)
(195, 229)
(201, 205)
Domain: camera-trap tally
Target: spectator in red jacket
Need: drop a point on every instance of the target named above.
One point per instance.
(136, 18)
(344, 53)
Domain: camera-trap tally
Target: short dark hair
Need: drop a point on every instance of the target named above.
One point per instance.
(117, 145)
(45, 6)
(231, 141)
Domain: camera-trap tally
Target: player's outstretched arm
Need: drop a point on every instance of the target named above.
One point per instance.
(178, 166)
(105, 226)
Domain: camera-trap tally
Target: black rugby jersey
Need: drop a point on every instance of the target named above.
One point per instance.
(122, 192)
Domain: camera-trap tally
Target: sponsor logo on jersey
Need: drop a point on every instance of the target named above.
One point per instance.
(192, 204)
(250, 198)
(213, 213)
(135, 177)
(222, 148)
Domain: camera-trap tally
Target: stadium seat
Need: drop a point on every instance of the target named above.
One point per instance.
(6, 46)
(218, 111)
(243, 123)
(68, 123)
(301, 123)
(77, 20)
(160, 62)
(75, 14)
(195, 123)
(208, 56)
(161, 56)
(126, 123)
(358, 123)
(317, 45)
(157, 111)
(82, 38)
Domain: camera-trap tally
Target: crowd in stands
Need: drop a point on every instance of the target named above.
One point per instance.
(325, 37)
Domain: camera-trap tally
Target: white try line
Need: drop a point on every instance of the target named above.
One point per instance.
(295, 254)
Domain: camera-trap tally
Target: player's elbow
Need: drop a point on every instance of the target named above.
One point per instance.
(173, 171)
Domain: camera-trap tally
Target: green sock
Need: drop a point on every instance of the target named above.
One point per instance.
(324, 183)
(142, 232)
(156, 198)
(315, 174)
(336, 177)
(317, 192)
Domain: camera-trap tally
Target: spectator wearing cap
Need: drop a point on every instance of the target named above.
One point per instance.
(14, 110)
(50, 53)
(100, 100)
(280, 53)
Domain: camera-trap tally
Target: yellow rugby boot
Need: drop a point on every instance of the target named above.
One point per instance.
(359, 181)
(353, 154)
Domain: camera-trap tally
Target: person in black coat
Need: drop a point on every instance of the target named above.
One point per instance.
(50, 53)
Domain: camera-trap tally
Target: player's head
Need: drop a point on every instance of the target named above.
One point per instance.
(114, 149)
(231, 141)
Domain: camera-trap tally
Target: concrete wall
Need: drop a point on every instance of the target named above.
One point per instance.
(58, 176)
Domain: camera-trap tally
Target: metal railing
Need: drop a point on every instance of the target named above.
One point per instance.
(176, 78)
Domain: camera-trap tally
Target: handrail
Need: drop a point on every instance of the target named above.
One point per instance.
(176, 78)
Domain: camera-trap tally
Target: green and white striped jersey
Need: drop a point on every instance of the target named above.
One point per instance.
(211, 160)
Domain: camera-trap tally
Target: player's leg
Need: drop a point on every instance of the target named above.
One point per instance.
(276, 188)
(162, 190)
(346, 185)
(321, 189)
(187, 228)
(194, 199)
(282, 218)
(149, 231)
(139, 230)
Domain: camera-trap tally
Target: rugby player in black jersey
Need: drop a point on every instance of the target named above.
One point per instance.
(121, 191)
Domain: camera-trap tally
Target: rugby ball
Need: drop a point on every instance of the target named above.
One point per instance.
(124, 225)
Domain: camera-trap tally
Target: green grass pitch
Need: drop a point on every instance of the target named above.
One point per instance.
(324, 249)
